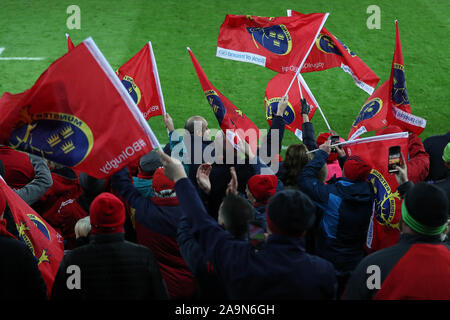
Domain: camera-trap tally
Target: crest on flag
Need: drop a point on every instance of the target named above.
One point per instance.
(40, 225)
(216, 104)
(59, 137)
(384, 200)
(132, 88)
(325, 44)
(369, 110)
(272, 108)
(399, 95)
(275, 38)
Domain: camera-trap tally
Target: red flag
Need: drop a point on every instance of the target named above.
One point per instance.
(43, 241)
(140, 77)
(70, 45)
(329, 52)
(77, 114)
(232, 121)
(279, 43)
(384, 228)
(389, 104)
(275, 90)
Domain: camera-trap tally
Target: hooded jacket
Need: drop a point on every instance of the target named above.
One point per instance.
(346, 207)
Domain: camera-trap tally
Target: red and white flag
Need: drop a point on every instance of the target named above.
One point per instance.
(275, 90)
(384, 227)
(139, 75)
(329, 52)
(77, 114)
(389, 104)
(42, 240)
(234, 123)
(279, 43)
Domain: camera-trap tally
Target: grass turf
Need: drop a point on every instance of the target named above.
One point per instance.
(121, 28)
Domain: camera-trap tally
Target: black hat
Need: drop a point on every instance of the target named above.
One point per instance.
(150, 162)
(426, 209)
(290, 212)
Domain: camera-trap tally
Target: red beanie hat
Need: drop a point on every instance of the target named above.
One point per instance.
(164, 189)
(161, 182)
(262, 187)
(107, 214)
(321, 140)
(356, 169)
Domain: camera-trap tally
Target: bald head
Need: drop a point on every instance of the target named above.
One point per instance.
(196, 125)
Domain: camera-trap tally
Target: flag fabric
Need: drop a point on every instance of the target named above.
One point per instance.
(43, 241)
(140, 77)
(384, 227)
(389, 104)
(329, 52)
(279, 43)
(70, 45)
(77, 114)
(234, 123)
(276, 89)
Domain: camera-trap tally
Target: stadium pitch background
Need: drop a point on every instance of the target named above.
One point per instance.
(36, 28)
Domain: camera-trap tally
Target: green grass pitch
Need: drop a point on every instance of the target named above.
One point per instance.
(36, 28)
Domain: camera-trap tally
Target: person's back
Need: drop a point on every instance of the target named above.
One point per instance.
(346, 207)
(417, 267)
(156, 223)
(109, 267)
(434, 146)
(20, 277)
(279, 270)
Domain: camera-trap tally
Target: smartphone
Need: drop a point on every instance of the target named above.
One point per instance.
(395, 159)
(334, 140)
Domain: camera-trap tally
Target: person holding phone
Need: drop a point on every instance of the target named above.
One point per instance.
(417, 267)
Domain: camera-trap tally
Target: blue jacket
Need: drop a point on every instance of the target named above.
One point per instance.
(346, 208)
(281, 269)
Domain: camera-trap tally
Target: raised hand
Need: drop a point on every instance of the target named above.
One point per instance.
(282, 105)
(168, 122)
(233, 184)
(402, 174)
(203, 181)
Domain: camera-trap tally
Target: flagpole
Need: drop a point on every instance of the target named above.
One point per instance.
(300, 79)
(388, 136)
(307, 54)
(300, 88)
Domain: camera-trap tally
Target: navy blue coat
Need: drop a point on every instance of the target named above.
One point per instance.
(281, 269)
(346, 208)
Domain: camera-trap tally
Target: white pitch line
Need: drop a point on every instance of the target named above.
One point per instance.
(21, 58)
(18, 58)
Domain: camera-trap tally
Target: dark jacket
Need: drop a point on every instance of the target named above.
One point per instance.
(20, 278)
(434, 146)
(417, 267)
(210, 286)
(110, 269)
(281, 269)
(156, 228)
(346, 208)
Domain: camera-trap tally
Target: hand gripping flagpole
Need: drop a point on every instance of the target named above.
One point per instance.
(301, 80)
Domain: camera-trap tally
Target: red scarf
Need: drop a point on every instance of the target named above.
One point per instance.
(3, 231)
